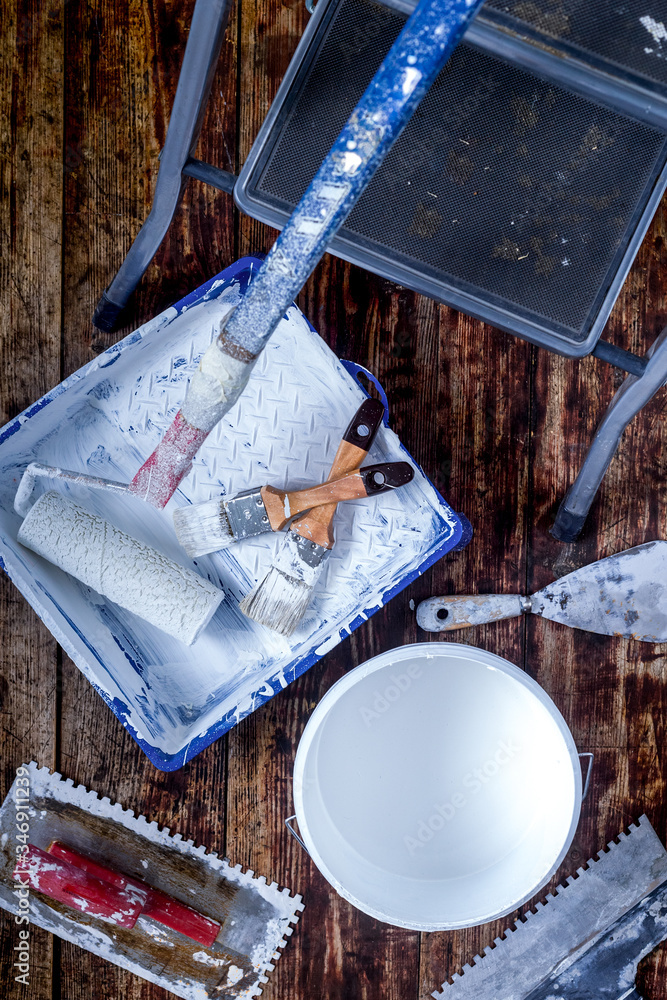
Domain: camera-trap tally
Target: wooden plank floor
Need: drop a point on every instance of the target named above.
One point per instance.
(86, 91)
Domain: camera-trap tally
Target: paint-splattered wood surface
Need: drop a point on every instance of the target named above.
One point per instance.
(86, 91)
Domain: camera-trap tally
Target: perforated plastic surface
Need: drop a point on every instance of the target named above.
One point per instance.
(503, 185)
(631, 35)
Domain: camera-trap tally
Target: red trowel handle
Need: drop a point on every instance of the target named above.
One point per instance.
(67, 883)
(158, 905)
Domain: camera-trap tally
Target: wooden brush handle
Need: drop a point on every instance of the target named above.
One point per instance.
(355, 445)
(369, 481)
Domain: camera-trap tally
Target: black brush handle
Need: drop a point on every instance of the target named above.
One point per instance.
(386, 476)
(365, 424)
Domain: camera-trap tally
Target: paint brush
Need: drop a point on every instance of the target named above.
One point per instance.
(353, 448)
(281, 599)
(218, 523)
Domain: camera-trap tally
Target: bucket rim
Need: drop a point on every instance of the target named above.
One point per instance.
(390, 657)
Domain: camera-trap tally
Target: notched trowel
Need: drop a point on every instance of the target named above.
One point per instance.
(122, 888)
(586, 941)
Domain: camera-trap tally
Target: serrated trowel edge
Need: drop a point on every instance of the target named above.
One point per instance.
(46, 784)
(567, 921)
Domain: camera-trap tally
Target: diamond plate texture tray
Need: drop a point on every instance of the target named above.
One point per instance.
(107, 418)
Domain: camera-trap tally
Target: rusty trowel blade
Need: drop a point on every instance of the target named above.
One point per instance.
(625, 595)
(255, 917)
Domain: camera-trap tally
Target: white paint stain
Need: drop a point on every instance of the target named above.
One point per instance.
(234, 975)
(350, 162)
(655, 28)
(411, 78)
(206, 959)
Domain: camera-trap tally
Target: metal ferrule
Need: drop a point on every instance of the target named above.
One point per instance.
(310, 552)
(247, 514)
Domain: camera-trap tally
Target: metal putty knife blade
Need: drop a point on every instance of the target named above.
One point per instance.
(624, 594)
(566, 924)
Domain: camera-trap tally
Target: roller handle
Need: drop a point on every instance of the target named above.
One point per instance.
(160, 476)
(66, 883)
(158, 905)
(444, 614)
(412, 64)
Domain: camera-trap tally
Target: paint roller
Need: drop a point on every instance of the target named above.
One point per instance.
(133, 575)
(426, 42)
(405, 75)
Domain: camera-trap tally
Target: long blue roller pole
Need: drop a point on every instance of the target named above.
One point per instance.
(412, 64)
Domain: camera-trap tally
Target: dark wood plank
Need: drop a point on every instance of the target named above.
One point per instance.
(610, 691)
(482, 468)
(123, 64)
(31, 113)
(500, 427)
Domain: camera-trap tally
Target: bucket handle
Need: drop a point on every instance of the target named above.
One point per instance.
(355, 371)
(288, 824)
(589, 771)
(585, 791)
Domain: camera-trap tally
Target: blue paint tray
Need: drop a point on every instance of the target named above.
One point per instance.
(285, 429)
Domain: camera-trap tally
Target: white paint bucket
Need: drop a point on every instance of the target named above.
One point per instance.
(437, 786)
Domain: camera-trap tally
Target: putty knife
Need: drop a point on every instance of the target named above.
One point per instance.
(587, 940)
(186, 919)
(625, 595)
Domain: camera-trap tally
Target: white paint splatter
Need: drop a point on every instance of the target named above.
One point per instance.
(234, 975)
(350, 162)
(206, 959)
(410, 80)
(655, 28)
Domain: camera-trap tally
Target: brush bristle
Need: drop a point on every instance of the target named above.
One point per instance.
(203, 528)
(279, 602)
(281, 599)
